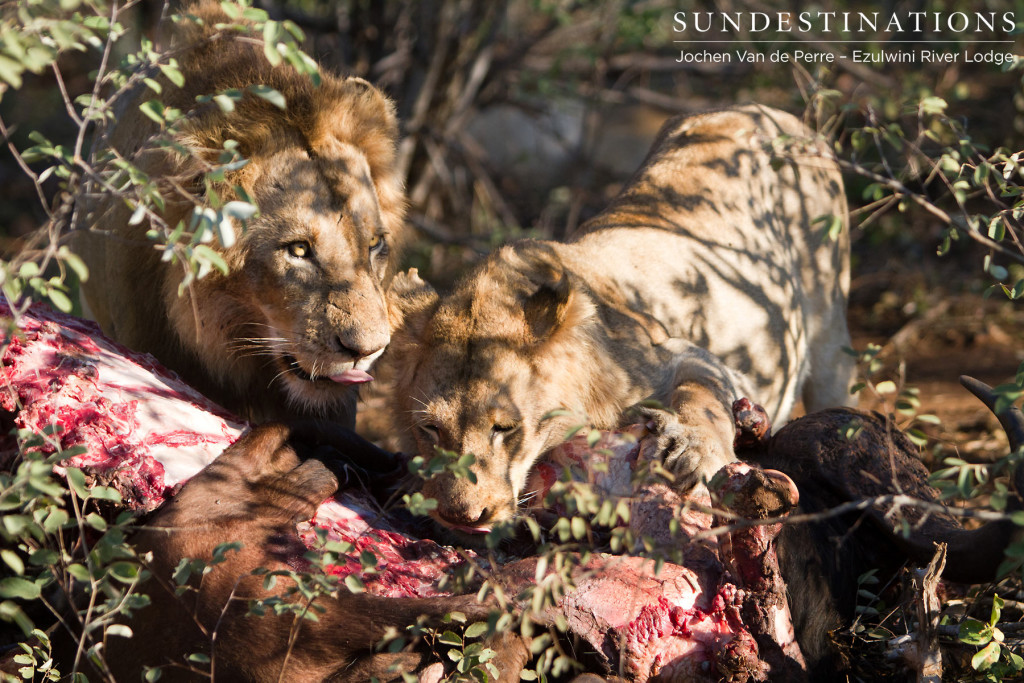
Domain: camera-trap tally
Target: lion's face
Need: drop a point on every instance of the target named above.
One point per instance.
(500, 415)
(302, 313)
(495, 371)
(315, 265)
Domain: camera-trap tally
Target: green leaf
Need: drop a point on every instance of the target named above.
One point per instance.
(917, 437)
(254, 14)
(96, 522)
(997, 610)
(42, 557)
(986, 657)
(476, 629)
(354, 584)
(933, 105)
(269, 94)
(28, 269)
(173, 74)
(886, 387)
(241, 210)
(418, 505)
(55, 520)
(271, 31)
(153, 109)
(833, 227)
(120, 630)
(105, 493)
(74, 262)
(224, 229)
(76, 480)
(199, 658)
(125, 572)
(10, 72)
(998, 272)
(579, 528)
(450, 638)
(225, 103)
(79, 572)
(367, 559)
(11, 611)
(221, 551)
(13, 560)
(18, 587)
(974, 632)
(205, 253)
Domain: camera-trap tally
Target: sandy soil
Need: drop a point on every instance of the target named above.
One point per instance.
(958, 335)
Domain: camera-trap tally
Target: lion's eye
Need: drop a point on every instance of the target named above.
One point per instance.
(503, 429)
(299, 249)
(431, 432)
(376, 243)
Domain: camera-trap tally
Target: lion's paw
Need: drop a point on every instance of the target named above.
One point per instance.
(690, 453)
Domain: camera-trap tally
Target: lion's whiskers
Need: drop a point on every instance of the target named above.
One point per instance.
(527, 497)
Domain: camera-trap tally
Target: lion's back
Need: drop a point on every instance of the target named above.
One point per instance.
(717, 237)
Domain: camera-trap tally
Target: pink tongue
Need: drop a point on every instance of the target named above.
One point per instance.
(352, 376)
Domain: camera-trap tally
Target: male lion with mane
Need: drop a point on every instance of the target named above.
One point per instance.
(705, 280)
(301, 316)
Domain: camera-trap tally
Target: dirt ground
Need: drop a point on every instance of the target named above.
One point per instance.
(946, 349)
(934, 324)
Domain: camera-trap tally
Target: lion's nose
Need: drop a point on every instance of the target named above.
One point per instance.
(465, 517)
(355, 349)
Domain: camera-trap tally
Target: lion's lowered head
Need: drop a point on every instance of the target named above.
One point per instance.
(301, 316)
(501, 368)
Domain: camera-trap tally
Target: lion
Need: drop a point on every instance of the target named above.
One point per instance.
(708, 278)
(300, 318)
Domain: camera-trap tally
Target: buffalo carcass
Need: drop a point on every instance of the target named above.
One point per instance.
(822, 560)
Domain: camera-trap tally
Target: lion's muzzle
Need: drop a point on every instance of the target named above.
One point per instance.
(466, 506)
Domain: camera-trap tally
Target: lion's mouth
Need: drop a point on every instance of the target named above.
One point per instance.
(292, 363)
(349, 376)
(473, 530)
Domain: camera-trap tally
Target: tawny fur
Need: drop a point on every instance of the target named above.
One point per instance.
(322, 172)
(707, 279)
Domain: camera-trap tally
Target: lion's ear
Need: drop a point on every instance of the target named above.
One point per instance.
(356, 113)
(411, 302)
(556, 307)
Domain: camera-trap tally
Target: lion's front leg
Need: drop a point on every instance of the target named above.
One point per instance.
(689, 427)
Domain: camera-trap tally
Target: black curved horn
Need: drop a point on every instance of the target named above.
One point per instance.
(974, 555)
(1011, 420)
